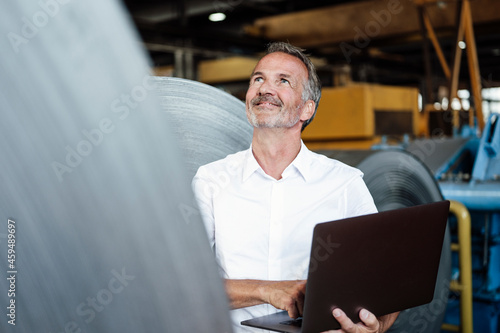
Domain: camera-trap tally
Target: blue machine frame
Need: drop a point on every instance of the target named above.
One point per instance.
(467, 170)
(472, 177)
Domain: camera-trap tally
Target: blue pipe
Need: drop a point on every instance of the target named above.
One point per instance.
(475, 196)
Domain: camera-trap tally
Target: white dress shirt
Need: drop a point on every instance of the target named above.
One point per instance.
(261, 228)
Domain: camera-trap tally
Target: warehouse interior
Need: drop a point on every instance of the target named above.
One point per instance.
(404, 44)
(351, 41)
(421, 75)
(410, 96)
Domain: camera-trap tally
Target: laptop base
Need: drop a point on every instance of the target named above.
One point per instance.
(278, 322)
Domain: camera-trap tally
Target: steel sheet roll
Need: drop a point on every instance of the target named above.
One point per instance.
(398, 179)
(208, 123)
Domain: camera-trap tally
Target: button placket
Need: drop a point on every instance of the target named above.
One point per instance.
(276, 230)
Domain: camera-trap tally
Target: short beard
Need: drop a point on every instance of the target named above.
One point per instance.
(280, 120)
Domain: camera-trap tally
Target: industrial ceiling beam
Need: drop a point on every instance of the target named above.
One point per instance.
(435, 42)
(360, 22)
(473, 62)
(465, 27)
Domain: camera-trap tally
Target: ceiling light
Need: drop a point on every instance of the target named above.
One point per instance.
(461, 44)
(455, 104)
(444, 103)
(217, 17)
(463, 94)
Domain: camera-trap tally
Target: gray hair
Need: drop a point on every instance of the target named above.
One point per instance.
(312, 88)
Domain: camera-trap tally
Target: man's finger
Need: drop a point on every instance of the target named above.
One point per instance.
(369, 323)
(291, 307)
(300, 301)
(369, 319)
(293, 312)
(300, 306)
(344, 321)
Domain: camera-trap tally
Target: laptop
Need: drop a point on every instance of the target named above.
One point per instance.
(383, 262)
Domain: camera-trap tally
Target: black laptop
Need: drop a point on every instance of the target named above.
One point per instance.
(383, 262)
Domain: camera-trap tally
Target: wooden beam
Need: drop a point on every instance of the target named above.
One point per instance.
(457, 57)
(455, 76)
(359, 22)
(473, 62)
(428, 92)
(431, 2)
(435, 43)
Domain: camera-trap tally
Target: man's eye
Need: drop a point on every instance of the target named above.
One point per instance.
(258, 79)
(284, 81)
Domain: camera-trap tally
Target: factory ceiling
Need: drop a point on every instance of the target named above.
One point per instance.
(381, 40)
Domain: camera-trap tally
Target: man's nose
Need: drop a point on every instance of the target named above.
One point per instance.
(266, 88)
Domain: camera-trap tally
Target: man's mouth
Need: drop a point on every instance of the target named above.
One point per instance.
(266, 102)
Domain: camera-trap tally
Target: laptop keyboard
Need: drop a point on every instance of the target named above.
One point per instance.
(294, 322)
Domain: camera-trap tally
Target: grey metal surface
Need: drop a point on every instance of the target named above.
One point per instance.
(108, 238)
(436, 152)
(208, 123)
(398, 179)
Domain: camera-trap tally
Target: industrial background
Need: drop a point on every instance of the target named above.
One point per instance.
(420, 76)
(411, 96)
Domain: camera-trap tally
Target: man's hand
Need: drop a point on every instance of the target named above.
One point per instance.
(285, 295)
(369, 323)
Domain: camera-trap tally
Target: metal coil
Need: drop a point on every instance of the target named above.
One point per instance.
(208, 123)
(398, 179)
(107, 238)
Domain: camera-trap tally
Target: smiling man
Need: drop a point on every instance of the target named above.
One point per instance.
(260, 224)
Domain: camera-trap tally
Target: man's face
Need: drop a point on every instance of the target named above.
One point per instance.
(274, 97)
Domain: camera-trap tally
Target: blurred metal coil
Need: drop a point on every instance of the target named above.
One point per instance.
(398, 179)
(107, 235)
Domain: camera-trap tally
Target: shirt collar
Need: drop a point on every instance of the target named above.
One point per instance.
(300, 163)
(250, 164)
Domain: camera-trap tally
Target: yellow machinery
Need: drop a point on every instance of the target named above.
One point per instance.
(355, 116)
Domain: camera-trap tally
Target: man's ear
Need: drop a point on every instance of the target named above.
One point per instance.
(308, 110)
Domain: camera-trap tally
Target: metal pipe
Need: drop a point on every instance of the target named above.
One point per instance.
(464, 284)
(476, 196)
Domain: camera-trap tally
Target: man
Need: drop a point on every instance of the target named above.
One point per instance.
(260, 222)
